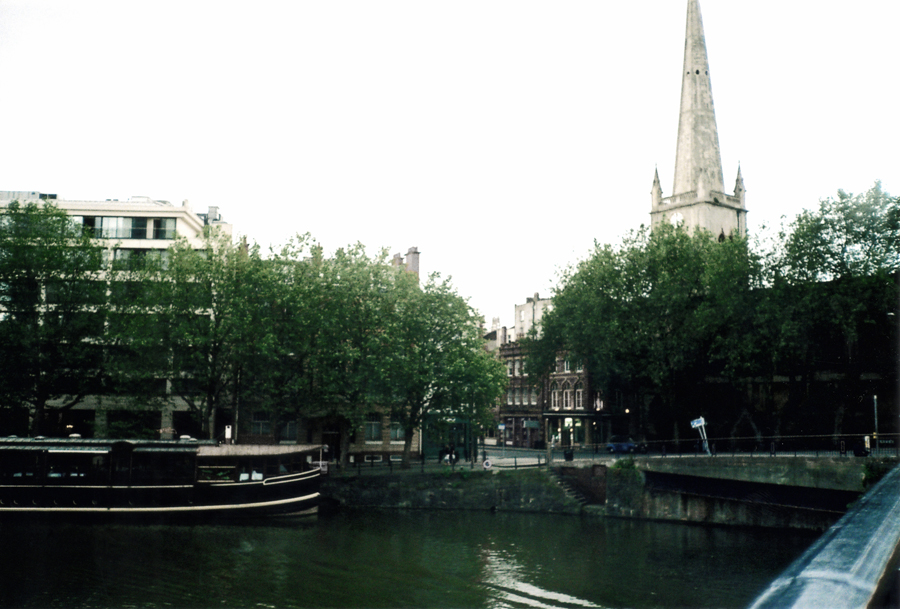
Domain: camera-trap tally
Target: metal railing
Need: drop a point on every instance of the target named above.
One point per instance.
(887, 445)
(853, 564)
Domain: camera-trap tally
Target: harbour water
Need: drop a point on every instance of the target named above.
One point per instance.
(391, 559)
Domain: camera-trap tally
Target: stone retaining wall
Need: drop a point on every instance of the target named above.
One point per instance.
(516, 491)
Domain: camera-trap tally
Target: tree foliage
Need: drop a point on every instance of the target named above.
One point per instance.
(51, 311)
(437, 364)
(299, 334)
(187, 319)
(658, 314)
(665, 314)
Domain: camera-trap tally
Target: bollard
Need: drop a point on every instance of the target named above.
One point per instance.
(515, 463)
(663, 450)
(772, 449)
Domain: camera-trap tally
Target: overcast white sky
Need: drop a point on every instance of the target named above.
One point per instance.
(501, 137)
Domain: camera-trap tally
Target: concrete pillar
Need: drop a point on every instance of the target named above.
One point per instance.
(167, 424)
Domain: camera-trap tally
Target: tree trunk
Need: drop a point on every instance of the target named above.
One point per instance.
(345, 443)
(406, 463)
(37, 419)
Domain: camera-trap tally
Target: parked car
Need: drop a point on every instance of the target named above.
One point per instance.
(623, 444)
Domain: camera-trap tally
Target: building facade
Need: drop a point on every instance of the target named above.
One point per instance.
(138, 227)
(560, 408)
(520, 413)
(570, 414)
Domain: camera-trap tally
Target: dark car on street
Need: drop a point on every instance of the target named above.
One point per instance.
(623, 444)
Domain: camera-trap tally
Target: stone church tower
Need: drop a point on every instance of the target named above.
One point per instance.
(698, 197)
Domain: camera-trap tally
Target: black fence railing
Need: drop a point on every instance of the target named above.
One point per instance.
(820, 445)
(510, 457)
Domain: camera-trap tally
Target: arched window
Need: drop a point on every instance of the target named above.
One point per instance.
(567, 396)
(579, 395)
(554, 397)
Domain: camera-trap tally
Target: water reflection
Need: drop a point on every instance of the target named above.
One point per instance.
(391, 559)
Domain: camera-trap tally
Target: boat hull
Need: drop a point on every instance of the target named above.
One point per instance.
(282, 495)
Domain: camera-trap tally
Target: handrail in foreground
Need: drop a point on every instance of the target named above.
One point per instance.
(853, 563)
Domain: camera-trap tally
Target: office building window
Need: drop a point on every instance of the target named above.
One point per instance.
(397, 433)
(163, 228)
(373, 427)
(259, 423)
(116, 227)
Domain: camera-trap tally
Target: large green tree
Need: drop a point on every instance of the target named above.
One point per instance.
(437, 364)
(831, 303)
(188, 319)
(651, 320)
(668, 317)
(326, 351)
(52, 298)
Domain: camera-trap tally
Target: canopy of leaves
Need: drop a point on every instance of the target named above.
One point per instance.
(666, 311)
(51, 309)
(437, 364)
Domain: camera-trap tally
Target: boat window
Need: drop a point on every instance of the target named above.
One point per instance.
(68, 467)
(272, 467)
(216, 473)
(20, 466)
(153, 468)
(250, 470)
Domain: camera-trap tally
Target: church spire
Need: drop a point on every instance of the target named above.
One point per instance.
(698, 199)
(698, 162)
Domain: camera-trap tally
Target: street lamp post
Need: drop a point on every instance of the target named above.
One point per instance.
(875, 404)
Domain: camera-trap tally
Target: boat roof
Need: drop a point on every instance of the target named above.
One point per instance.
(250, 450)
(203, 448)
(99, 445)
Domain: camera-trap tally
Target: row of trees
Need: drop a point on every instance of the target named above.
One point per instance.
(294, 333)
(673, 325)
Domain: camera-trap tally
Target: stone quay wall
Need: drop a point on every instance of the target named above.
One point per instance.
(789, 493)
(531, 490)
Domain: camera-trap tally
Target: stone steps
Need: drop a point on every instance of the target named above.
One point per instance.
(570, 490)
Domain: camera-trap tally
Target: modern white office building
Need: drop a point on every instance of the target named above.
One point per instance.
(132, 227)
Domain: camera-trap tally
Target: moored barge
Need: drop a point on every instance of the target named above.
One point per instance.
(156, 477)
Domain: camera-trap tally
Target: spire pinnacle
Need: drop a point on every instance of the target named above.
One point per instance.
(698, 162)
(656, 190)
